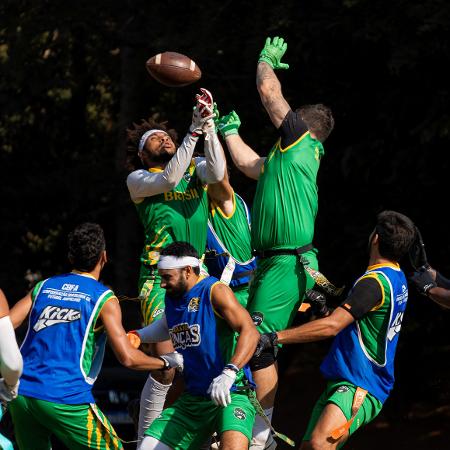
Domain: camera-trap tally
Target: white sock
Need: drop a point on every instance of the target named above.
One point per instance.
(261, 431)
(150, 443)
(153, 397)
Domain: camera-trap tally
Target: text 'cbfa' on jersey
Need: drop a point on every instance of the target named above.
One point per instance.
(63, 351)
(205, 340)
(178, 215)
(349, 358)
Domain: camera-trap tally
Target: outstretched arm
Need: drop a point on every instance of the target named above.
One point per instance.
(268, 85)
(244, 157)
(130, 357)
(317, 329)
(212, 168)
(142, 183)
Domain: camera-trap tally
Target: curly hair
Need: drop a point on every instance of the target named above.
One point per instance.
(134, 134)
(396, 234)
(86, 243)
(318, 118)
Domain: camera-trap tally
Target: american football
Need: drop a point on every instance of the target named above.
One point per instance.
(173, 69)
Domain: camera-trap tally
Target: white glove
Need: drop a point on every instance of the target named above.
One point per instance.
(173, 360)
(209, 128)
(219, 389)
(8, 393)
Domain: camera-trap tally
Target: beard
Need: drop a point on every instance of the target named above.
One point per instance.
(163, 157)
(178, 289)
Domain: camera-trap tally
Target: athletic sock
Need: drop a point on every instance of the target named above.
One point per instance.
(261, 431)
(153, 396)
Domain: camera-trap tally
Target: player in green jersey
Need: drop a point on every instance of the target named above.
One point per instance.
(229, 254)
(284, 210)
(168, 188)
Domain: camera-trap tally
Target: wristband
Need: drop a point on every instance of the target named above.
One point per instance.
(232, 367)
(166, 364)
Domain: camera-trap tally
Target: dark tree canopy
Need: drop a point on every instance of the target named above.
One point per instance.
(73, 78)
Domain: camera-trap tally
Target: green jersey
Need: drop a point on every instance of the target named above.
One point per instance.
(233, 230)
(286, 200)
(374, 325)
(228, 242)
(178, 215)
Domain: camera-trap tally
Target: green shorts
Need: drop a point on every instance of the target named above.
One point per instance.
(78, 427)
(151, 295)
(341, 393)
(277, 290)
(191, 420)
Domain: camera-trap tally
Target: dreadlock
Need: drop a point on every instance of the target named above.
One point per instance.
(134, 134)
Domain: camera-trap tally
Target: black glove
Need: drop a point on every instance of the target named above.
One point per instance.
(318, 303)
(422, 280)
(417, 254)
(267, 341)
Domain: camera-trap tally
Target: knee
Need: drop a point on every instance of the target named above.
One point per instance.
(163, 376)
(265, 359)
(316, 443)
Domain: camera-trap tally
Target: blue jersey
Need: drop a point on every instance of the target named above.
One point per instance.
(235, 230)
(63, 350)
(203, 338)
(349, 358)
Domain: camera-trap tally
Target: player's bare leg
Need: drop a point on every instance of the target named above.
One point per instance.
(267, 384)
(233, 440)
(331, 418)
(153, 395)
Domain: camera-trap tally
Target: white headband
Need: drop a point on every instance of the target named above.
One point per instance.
(176, 262)
(146, 135)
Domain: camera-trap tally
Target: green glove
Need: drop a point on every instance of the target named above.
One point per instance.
(229, 124)
(216, 116)
(272, 53)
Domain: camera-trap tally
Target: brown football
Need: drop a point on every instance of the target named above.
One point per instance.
(173, 69)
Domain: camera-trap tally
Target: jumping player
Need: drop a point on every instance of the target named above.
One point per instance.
(360, 365)
(11, 363)
(229, 255)
(201, 317)
(167, 188)
(71, 316)
(283, 213)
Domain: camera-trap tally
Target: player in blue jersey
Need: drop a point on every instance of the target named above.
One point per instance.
(10, 364)
(201, 317)
(70, 317)
(359, 367)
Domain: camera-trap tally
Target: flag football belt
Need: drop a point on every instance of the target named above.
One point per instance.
(358, 399)
(319, 278)
(250, 388)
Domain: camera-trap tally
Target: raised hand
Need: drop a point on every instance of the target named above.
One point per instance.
(229, 124)
(273, 51)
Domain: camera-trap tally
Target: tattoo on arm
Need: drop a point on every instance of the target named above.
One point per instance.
(269, 88)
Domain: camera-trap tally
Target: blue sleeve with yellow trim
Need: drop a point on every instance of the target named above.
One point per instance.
(366, 295)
